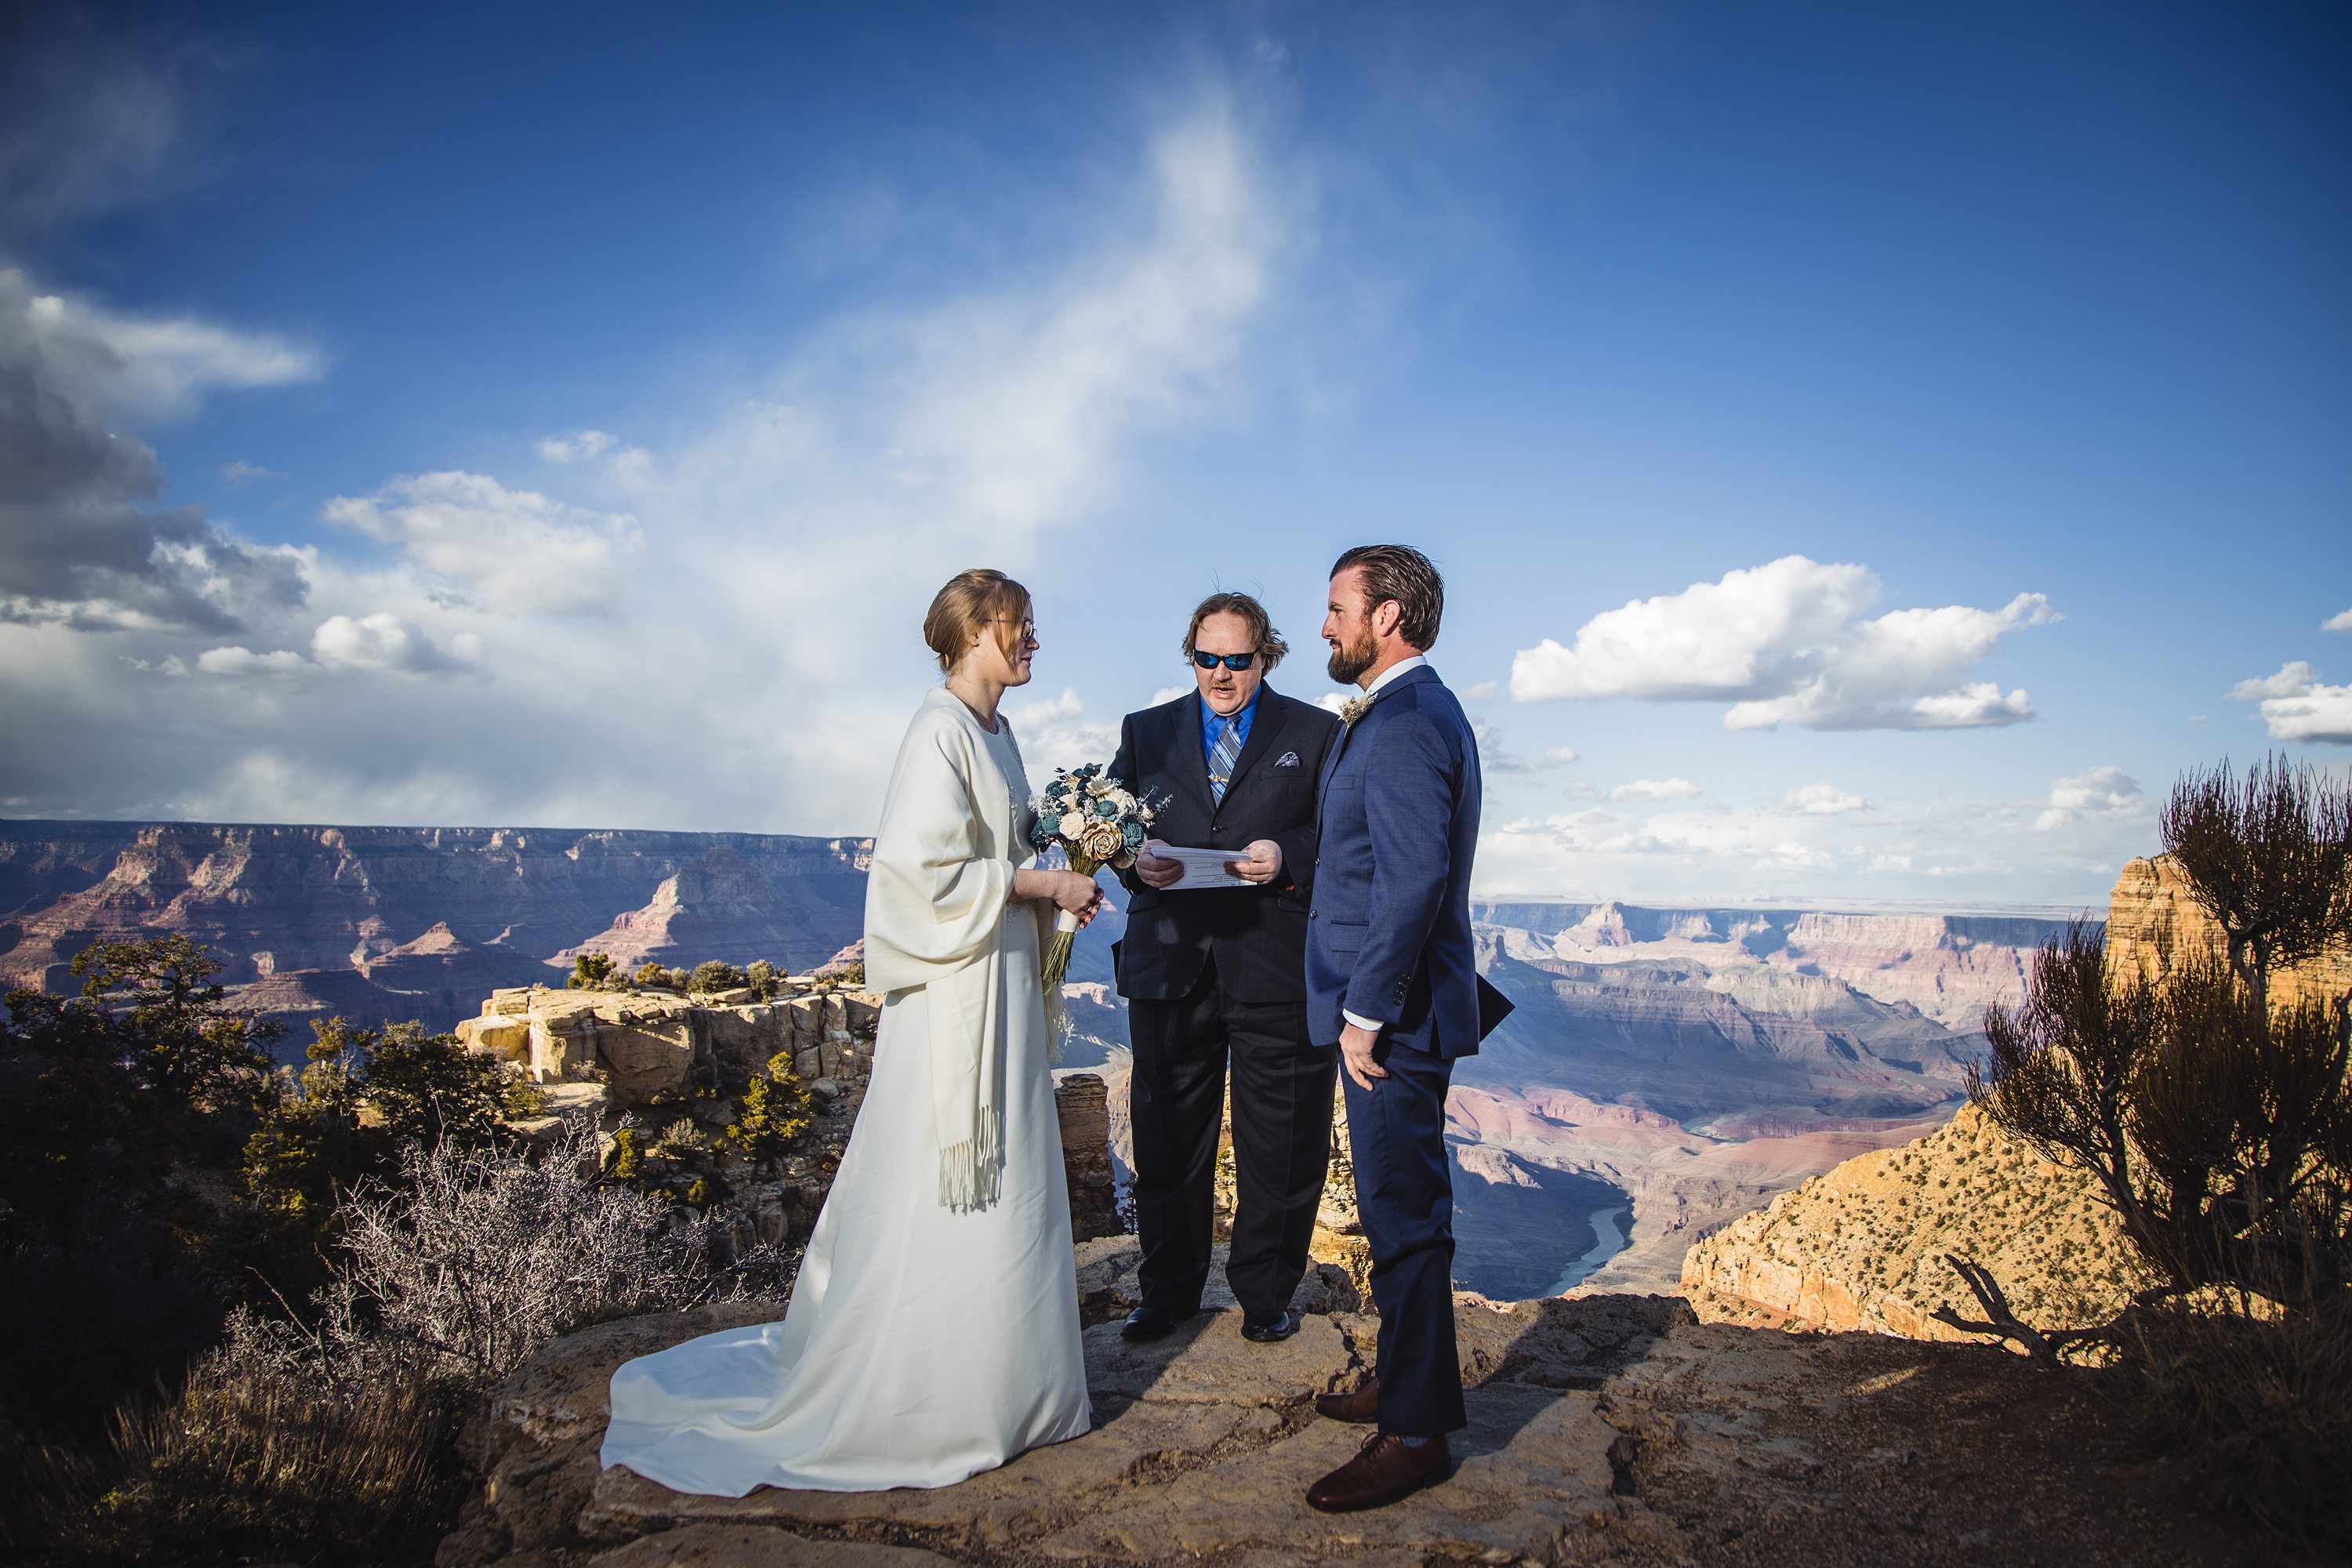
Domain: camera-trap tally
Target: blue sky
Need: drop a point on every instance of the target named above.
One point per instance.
(1919, 436)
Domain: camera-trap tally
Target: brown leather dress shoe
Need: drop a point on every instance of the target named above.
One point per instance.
(1384, 1471)
(1364, 1404)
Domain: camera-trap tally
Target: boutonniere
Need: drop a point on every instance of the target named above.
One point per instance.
(1353, 709)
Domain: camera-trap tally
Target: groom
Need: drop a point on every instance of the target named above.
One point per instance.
(1391, 979)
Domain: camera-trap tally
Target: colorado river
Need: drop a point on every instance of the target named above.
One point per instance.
(1608, 1238)
(1521, 1229)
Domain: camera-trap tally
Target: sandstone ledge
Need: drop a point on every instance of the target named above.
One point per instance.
(1602, 1429)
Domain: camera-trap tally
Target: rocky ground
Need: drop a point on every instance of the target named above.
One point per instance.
(1604, 1428)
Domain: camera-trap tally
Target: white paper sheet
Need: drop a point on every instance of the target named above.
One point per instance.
(1204, 868)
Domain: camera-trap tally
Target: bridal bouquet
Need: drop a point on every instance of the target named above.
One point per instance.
(1096, 821)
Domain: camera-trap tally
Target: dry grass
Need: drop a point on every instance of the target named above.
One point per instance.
(250, 1464)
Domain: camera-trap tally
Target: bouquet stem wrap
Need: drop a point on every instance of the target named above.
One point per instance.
(1066, 930)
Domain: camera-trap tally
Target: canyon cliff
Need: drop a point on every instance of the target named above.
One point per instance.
(386, 924)
(1863, 1245)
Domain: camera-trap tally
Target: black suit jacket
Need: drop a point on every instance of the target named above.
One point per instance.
(1258, 936)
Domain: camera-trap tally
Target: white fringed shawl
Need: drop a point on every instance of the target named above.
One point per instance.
(954, 831)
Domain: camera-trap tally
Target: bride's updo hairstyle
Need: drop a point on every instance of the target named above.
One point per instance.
(972, 600)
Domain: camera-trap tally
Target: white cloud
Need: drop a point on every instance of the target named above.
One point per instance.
(1787, 642)
(1825, 799)
(1170, 693)
(762, 577)
(518, 549)
(2094, 791)
(1562, 755)
(244, 661)
(2339, 622)
(1655, 789)
(1482, 691)
(240, 473)
(383, 642)
(2297, 706)
(1056, 734)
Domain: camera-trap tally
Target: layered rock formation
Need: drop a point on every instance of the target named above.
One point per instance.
(1947, 966)
(2155, 924)
(1863, 1245)
(664, 1062)
(386, 924)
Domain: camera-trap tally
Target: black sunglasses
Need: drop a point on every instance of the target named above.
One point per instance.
(1230, 660)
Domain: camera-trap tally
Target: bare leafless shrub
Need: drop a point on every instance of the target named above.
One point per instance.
(322, 1435)
(481, 1257)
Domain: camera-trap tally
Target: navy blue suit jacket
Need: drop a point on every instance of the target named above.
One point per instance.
(1389, 937)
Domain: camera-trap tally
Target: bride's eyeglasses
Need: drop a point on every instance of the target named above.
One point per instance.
(1028, 628)
(1230, 660)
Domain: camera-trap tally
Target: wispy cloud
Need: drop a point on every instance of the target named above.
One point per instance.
(1788, 642)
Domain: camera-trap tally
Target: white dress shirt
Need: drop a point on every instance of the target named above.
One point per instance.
(1382, 679)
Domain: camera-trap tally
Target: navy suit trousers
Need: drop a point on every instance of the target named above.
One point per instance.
(1405, 1194)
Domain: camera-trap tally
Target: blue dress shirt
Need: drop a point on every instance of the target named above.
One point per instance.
(1212, 724)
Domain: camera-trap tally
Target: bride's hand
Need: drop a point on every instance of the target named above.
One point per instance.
(1078, 895)
(1065, 890)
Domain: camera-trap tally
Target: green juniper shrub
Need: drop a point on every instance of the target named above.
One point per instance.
(593, 972)
(764, 979)
(715, 976)
(773, 1114)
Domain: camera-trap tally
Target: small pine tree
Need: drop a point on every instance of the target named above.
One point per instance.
(763, 979)
(774, 1113)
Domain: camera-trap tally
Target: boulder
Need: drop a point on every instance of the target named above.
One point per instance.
(1082, 1105)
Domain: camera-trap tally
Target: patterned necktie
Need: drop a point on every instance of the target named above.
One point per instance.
(1222, 758)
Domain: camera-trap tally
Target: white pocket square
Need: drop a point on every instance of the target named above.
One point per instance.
(1287, 760)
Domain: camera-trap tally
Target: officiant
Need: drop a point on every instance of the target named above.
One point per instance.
(1213, 969)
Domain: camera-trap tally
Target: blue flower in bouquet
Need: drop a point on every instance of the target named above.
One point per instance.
(1133, 834)
(1107, 808)
(1041, 832)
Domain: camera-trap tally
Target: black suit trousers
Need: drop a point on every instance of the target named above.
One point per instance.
(1282, 1141)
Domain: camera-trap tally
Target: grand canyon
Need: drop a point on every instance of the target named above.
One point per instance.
(1666, 1071)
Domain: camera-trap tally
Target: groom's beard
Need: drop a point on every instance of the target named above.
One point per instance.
(1351, 659)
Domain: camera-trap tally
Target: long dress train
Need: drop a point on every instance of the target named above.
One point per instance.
(925, 1340)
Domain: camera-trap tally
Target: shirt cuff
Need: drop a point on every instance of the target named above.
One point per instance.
(1374, 1025)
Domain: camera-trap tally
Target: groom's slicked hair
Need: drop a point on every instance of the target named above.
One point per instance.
(1399, 572)
(972, 600)
(1270, 646)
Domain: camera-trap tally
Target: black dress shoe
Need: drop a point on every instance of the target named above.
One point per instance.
(1270, 1328)
(1150, 1323)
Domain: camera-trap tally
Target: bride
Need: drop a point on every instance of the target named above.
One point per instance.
(933, 1329)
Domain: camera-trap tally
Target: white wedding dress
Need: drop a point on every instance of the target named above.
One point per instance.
(933, 1330)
